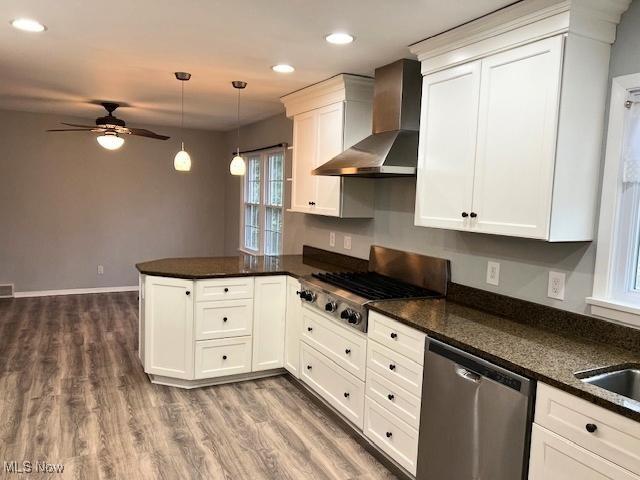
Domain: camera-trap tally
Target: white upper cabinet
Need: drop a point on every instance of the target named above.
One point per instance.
(328, 118)
(512, 120)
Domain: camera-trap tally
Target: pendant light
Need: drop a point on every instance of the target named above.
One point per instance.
(182, 160)
(237, 166)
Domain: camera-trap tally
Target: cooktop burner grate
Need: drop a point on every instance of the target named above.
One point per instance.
(374, 286)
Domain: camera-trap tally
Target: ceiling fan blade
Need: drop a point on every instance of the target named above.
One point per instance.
(91, 127)
(70, 130)
(142, 132)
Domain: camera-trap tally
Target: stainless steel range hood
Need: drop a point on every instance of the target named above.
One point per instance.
(392, 150)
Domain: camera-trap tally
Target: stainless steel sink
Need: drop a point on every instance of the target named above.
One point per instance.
(625, 381)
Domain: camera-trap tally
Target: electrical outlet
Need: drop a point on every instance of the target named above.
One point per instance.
(556, 285)
(347, 242)
(332, 239)
(100, 269)
(493, 273)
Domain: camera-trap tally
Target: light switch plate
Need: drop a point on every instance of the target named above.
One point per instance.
(556, 285)
(332, 239)
(100, 269)
(347, 242)
(493, 273)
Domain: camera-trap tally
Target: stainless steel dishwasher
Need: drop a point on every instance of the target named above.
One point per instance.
(475, 418)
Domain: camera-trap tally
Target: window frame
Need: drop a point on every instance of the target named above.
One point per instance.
(263, 155)
(619, 224)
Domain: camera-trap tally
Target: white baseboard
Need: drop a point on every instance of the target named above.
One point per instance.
(75, 291)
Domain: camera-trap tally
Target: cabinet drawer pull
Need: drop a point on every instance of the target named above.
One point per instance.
(224, 357)
(391, 396)
(346, 394)
(591, 427)
(347, 351)
(226, 289)
(187, 292)
(389, 434)
(309, 329)
(473, 214)
(308, 367)
(465, 214)
(392, 366)
(224, 319)
(394, 335)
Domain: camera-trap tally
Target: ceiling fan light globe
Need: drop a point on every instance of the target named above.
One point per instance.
(110, 141)
(182, 161)
(237, 166)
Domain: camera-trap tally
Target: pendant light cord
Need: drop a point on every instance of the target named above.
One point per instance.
(182, 117)
(238, 125)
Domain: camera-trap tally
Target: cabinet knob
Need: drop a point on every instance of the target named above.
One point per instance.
(224, 319)
(347, 351)
(473, 214)
(226, 289)
(346, 394)
(391, 396)
(465, 214)
(394, 335)
(308, 367)
(309, 329)
(188, 292)
(392, 367)
(389, 434)
(591, 427)
(312, 203)
(224, 357)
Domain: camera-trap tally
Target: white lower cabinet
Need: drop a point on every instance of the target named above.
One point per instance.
(225, 356)
(556, 458)
(575, 439)
(293, 326)
(395, 367)
(397, 400)
(339, 388)
(269, 322)
(392, 435)
(223, 319)
(168, 327)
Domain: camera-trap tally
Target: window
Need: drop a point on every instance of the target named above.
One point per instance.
(616, 289)
(262, 203)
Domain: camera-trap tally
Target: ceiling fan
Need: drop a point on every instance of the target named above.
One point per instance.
(111, 129)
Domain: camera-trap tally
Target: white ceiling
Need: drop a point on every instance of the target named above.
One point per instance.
(127, 51)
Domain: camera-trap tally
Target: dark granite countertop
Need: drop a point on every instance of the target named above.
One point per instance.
(547, 356)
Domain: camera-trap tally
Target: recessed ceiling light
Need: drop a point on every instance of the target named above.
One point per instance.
(339, 38)
(28, 25)
(282, 68)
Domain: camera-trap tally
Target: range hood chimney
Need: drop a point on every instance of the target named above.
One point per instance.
(392, 150)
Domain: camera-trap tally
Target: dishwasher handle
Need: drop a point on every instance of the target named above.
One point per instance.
(473, 368)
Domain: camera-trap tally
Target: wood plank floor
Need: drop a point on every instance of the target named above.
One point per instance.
(72, 391)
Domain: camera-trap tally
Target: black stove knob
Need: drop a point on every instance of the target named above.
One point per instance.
(344, 314)
(331, 306)
(355, 318)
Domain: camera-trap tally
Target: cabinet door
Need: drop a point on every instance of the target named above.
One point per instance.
(446, 154)
(169, 327)
(330, 121)
(292, 328)
(268, 322)
(517, 126)
(554, 458)
(304, 160)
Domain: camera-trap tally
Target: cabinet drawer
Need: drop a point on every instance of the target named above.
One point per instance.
(554, 458)
(229, 288)
(344, 346)
(398, 337)
(224, 319)
(227, 356)
(395, 399)
(616, 438)
(338, 387)
(397, 368)
(391, 434)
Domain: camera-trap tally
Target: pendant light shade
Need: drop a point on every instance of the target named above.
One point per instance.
(237, 165)
(182, 160)
(110, 141)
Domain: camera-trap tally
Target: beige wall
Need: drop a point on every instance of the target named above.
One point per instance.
(67, 205)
